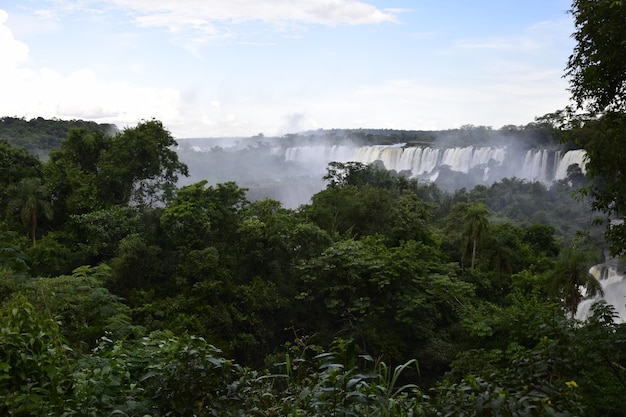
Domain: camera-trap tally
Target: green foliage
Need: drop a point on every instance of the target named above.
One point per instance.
(200, 214)
(140, 166)
(84, 309)
(570, 277)
(340, 382)
(189, 376)
(39, 136)
(372, 268)
(596, 71)
(597, 67)
(402, 302)
(138, 264)
(341, 174)
(91, 171)
(72, 171)
(476, 225)
(411, 220)
(605, 167)
(56, 253)
(352, 210)
(8, 284)
(30, 198)
(34, 364)
(12, 256)
(15, 165)
(100, 232)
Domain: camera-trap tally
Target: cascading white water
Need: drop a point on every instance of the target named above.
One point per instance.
(535, 166)
(464, 159)
(421, 160)
(317, 157)
(425, 162)
(577, 156)
(614, 287)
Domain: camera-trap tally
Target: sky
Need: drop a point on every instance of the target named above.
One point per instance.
(216, 68)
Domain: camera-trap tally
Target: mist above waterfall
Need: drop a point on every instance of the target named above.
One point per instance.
(290, 168)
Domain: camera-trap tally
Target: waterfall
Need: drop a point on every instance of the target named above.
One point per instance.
(614, 287)
(425, 162)
(535, 167)
(577, 156)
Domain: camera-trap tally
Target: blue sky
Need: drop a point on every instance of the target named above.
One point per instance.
(242, 67)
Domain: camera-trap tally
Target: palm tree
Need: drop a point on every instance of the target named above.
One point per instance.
(476, 224)
(30, 198)
(570, 276)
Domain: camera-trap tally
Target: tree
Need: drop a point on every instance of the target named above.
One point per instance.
(476, 224)
(16, 164)
(362, 210)
(31, 199)
(541, 239)
(570, 277)
(597, 67)
(339, 174)
(92, 171)
(607, 169)
(411, 219)
(71, 173)
(597, 75)
(201, 215)
(140, 167)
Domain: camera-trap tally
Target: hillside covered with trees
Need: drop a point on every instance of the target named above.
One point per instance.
(122, 293)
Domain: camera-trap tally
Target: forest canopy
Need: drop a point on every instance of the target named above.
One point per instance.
(397, 297)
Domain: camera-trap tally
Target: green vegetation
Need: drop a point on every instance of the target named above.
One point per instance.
(597, 75)
(122, 295)
(39, 136)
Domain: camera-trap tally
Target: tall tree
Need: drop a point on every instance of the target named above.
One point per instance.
(71, 172)
(476, 224)
(597, 76)
(30, 198)
(15, 165)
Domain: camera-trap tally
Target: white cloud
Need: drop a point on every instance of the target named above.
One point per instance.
(13, 51)
(33, 92)
(199, 14)
(482, 81)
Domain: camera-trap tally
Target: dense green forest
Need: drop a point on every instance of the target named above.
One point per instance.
(122, 293)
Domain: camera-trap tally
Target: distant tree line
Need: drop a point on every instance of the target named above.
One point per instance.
(39, 136)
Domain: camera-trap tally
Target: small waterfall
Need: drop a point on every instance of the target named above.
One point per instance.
(535, 166)
(458, 159)
(391, 156)
(318, 157)
(421, 160)
(576, 156)
(614, 287)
